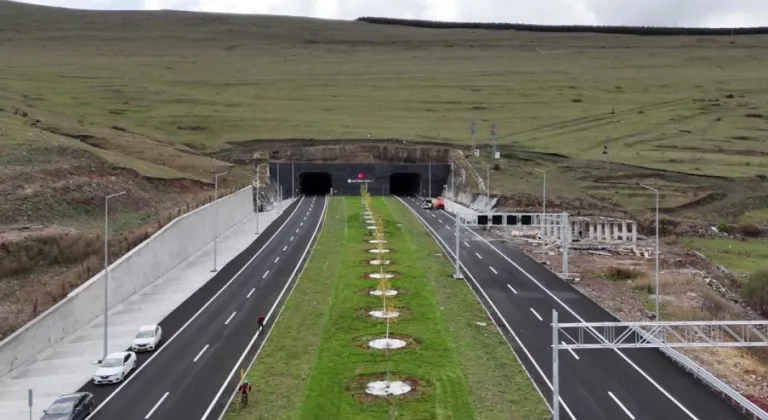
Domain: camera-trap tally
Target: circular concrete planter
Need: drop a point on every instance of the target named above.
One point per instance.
(378, 251)
(384, 388)
(384, 315)
(389, 292)
(380, 275)
(386, 343)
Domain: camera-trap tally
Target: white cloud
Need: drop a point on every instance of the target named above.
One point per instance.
(602, 12)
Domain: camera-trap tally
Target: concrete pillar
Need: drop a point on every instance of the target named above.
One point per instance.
(592, 233)
(600, 230)
(624, 236)
(615, 228)
(634, 232)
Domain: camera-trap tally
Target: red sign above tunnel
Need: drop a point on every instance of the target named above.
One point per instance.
(360, 175)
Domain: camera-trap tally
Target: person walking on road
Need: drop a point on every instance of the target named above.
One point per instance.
(245, 391)
(261, 322)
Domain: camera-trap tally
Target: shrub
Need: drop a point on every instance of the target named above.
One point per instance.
(722, 228)
(755, 290)
(750, 230)
(621, 273)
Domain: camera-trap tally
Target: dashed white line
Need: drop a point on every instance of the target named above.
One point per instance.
(440, 220)
(466, 244)
(537, 315)
(300, 224)
(305, 217)
(265, 274)
(285, 247)
(512, 289)
(230, 318)
(200, 354)
(297, 230)
(571, 350)
(157, 405)
(250, 293)
(621, 405)
(478, 255)
(277, 259)
(494, 271)
(291, 238)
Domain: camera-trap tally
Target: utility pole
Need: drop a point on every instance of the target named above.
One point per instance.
(657, 248)
(457, 275)
(258, 184)
(106, 269)
(472, 133)
(216, 217)
(488, 186)
(493, 139)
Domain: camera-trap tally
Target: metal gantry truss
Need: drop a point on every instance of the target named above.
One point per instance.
(551, 224)
(655, 334)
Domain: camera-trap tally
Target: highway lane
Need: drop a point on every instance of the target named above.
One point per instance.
(183, 378)
(594, 384)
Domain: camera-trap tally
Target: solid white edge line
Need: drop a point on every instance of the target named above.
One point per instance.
(494, 271)
(253, 340)
(265, 274)
(447, 250)
(623, 356)
(537, 314)
(200, 354)
(478, 255)
(512, 289)
(250, 293)
(230, 318)
(621, 405)
(165, 346)
(157, 405)
(276, 260)
(571, 350)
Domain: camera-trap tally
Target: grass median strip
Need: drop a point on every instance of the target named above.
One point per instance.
(317, 363)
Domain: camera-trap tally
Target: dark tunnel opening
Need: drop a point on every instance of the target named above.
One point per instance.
(315, 183)
(405, 184)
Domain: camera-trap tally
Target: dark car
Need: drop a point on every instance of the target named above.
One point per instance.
(75, 406)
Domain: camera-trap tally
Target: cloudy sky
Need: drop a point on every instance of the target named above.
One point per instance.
(717, 13)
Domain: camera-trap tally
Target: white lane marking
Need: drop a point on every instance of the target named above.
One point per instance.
(478, 255)
(621, 405)
(253, 340)
(297, 230)
(512, 289)
(200, 354)
(571, 350)
(230, 318)
(433, 215)
(305, 217)
(300, 224)
(537, 315)
(440, 220)
(250, 293)
(285, 247)
(277, 259)
(265, 274)
(494, 271)
(291, 238)
(157, 405)
(466, 244)
(448, 251)
(199, 311)
(622, 355)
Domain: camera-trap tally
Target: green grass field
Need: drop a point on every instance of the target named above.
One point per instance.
(313, 365)
(741, 257)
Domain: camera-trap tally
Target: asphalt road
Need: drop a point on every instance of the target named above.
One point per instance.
(183, 379)
(595, 384)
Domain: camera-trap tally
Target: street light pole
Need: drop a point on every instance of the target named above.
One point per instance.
(543, 204)
(215, 217)
(488, 186)
(293, 178)
(106, 269)
(430, 178)
(657, 248)
(258, 184)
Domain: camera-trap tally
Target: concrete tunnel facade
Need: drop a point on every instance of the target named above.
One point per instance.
(313, 178)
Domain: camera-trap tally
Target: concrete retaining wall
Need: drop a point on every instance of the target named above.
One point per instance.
(176, 242)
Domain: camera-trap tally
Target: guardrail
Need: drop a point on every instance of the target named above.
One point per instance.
(726, 392)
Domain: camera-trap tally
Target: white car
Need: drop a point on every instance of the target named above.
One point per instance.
(147, 338)
(115, 367)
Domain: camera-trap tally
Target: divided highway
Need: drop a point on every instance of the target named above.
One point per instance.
(215, 332)
(595, 384)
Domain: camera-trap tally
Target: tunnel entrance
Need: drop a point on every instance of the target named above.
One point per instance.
(315, 183)
(405, 184)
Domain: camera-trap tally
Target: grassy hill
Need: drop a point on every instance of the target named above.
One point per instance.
(150, 102)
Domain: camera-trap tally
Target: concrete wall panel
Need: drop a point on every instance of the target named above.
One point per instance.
(169, 247)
